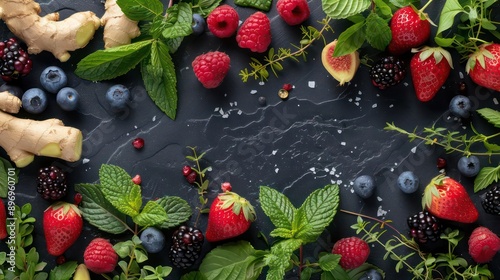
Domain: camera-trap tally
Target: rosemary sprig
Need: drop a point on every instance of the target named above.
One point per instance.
(274, 59)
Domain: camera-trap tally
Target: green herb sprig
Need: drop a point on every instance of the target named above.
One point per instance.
(202, 182)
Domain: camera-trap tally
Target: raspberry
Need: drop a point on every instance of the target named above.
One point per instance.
(211, 68)
(100, 257)
(186, 170)
(255, 33)
(483, 244)
(354, 252)
(223, 21)
(293, 12)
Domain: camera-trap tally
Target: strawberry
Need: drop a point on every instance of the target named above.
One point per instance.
(409, 28)
(353, 250)
(483, 245)
(230, 215)
(293, 12)
(62, 225)
(3, 221)
(99, 256)
(483, 66)
(255, 33)
(211, 68)
(429, 71)
(447, 199)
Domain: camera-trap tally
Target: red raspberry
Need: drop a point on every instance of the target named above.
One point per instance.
(483, 245)
(211, 68)
(255, 33)
(354, 252)
(293, 12)
(100, 257)
(223, 21)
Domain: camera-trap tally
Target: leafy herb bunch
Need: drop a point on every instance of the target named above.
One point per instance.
(162, 34)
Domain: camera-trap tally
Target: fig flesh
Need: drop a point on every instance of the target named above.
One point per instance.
(342, 68)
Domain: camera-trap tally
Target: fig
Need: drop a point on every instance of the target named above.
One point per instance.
(342, 68)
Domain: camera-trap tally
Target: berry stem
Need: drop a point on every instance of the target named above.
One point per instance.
(383, 223)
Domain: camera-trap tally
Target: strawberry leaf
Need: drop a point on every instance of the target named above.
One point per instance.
(340, 9)
(277, 207)
(329, 262)
(485, 177)
(450, 9)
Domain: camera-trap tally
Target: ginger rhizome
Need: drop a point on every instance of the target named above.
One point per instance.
(47, 33)
(119, 30)
(22, 139)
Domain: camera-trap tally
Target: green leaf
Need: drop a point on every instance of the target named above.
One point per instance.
(383, 8)
(264, 5)
(119, 190)
(378, 32)
(282, 233)
(277, 207)
(98, 211)
(279, 257)
(329, 262)
(179, 21)
(7, 177)
(151, 215)
(319, 209)
(64, 271)
(141, 9)
(177, 209)
(444, 42)
(490, 115)
(338, 273)
(158, 74)
(402, 3)
(450, 9)
(339, 9)
(486, 176)
(237, 260)
(204, 7)
(194, 275)
(113, 62)
(350, 39)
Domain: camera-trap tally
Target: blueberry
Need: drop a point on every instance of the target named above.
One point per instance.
(53, 79)
(34, 101)
(364, 186)
(67, 98)
(153, 240)
(460, 106)
(371, 274)
(408, 182)
(262, 101)
(117, 97)
(14, 90)
(198, 24)
(469, 166)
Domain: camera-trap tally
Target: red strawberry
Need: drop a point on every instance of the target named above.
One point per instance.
(211, 68)
(293, 12)
(62, 225)
(3, 220)
(223, 21)
(409, 29)
(429, 71)
(447, 199)
(354, 252)
(100, 257)
(230, 215)
(483, 66)
(483, 245)
(255, 33)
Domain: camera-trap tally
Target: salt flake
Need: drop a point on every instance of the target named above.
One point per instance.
(311, 84)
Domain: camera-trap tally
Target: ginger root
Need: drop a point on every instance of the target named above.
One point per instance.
(118, 28)
(22, 139)
(47, 33)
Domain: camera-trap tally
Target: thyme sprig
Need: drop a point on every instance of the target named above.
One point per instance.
(202, 182)
(274, 58)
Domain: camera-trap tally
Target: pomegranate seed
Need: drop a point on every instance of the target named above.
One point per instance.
(138, 143)
(287, 87)
(226, 187)
(137, 179)
(462, 87)
(60, 260)
(441, 163)
(186, 170)
(78, 198)
(191, 177)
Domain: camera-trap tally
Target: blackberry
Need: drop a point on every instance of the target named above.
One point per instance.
(387, 72)
(491, 201)
(186, 246)
(52, 183)
(424, 227)
(14, 61)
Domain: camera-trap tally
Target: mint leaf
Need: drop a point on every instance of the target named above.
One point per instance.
(64, 271)
(151, 215)
(141, 9)
(179, 21)
(486, 176)
(282, 233)
(329, 262)
(450, 9)
(204, 7)
(98, 211)
(237, 260)
(350, 39)
(193, 275)
(279, 258)
(336, 274)
(158, 74)
(113, 62)
(177, 209)
(339, 9)
(378, 32)
(383, 8)
(119, 190)
(5, 177)
(490, 115)
(318, 210)
(277, 207)
(264, 5)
